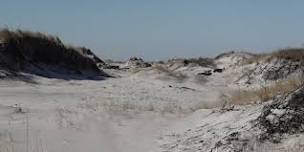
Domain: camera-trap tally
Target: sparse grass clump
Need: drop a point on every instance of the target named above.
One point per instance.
(204, 62)
(266, 93)
(257, 58)
(291, 54)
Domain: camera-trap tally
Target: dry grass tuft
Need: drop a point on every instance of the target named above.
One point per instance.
(292, 54)
(257, 58)
(266, 93)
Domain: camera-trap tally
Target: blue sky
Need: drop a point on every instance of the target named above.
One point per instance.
(160, 29)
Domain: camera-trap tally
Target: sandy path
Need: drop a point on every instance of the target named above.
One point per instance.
(115, 115)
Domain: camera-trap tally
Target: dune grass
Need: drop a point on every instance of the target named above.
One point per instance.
(35, 48)
(265, 93)
(292, 54)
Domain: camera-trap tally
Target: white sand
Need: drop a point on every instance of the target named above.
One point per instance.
(125, 114)
(142, 112)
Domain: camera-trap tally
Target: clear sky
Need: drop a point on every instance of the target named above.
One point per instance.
(159, 29)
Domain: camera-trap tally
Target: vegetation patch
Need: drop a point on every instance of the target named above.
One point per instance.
(40, 53)
(266, 93)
